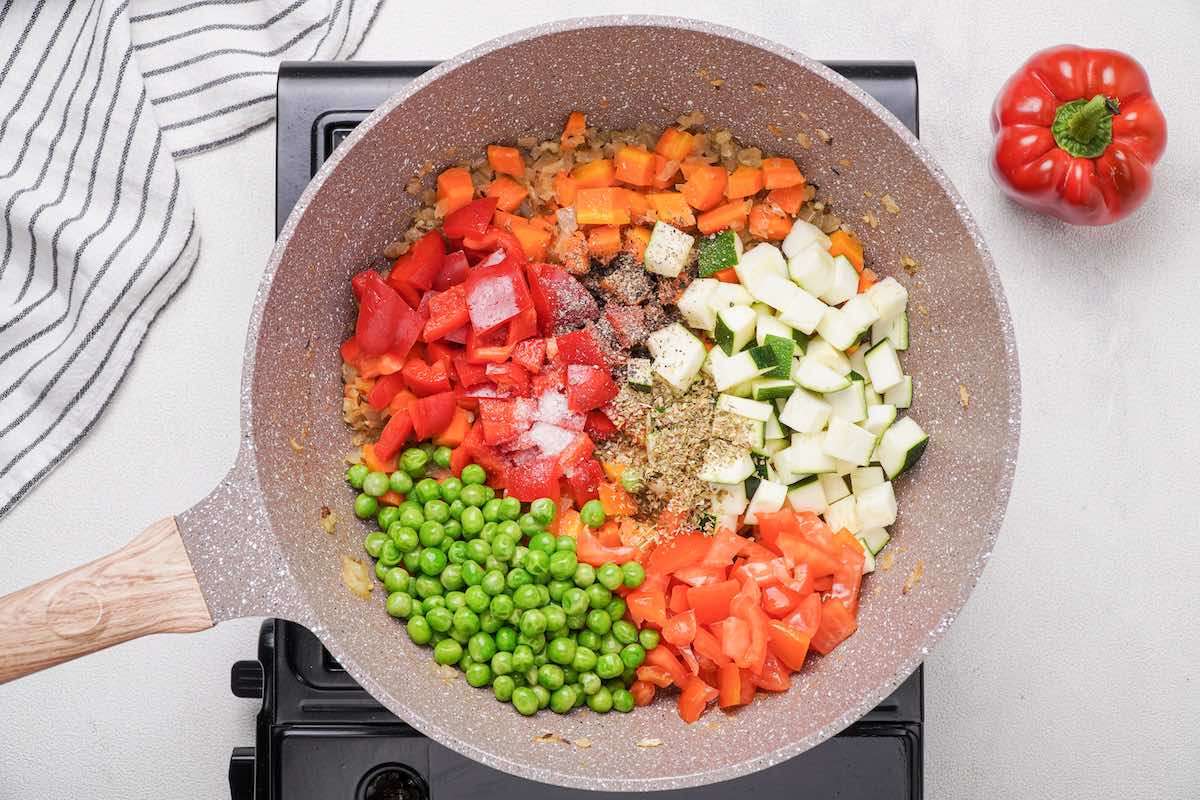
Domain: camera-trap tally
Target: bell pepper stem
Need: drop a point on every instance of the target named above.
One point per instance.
(1086, 120)
(1084, 127)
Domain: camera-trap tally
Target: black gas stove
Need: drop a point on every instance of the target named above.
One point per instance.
(321, 737)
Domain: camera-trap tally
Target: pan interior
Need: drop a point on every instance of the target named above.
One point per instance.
(623, 73)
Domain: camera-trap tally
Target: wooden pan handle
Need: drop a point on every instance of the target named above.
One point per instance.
(145, 587)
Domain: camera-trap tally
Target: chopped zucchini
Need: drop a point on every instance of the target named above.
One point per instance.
(763, 358)
(638, 372)
(859, 312)
(901, 394)
(725, 463)
(806, 455)
(828, 355)
(768, 498)
(734, 328)
(889, 298)
(751, 409)
(875, 539)
(850, 403)
(803, 311)
(782, 347)
(901, 446)
(883, 365)
(843, 515)
(729, 294)
(717, 252)
(805, 412)
(667, 251)
(769, 324)
(879, 417)
(834, 487)
(739, 430)
(876, 506)
(758, 262)
(849, 442)
(894, 330)
(696, 304)
(864, 478)
(728, 498)
(772, 429)
(812, 374)
(770, 388)
(812, 269)
(808, 496)
(729, 371)
(801, 236)
(678, 355)
(844, 284)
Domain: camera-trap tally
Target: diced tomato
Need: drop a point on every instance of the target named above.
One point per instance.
(662, 656)
(677, 601)
(730, 685)
(680, 628)
(495, 294)
(399, 427)
(654, 675)
(560, 299)
(512, 376)
(379, 314)
(589, 387)
(453, 272)
(530, 354)
(425, 379)
(837, 624)
(694, 699)
(778, 601)
(643, 693)
(589, 550)
(772, 677)
(647, 605)
(789, 644)
(472, 219)
(711, 601)
(533, 479)
(582, 347)
(384, 390)
(584, 477)
(431, 415)
(599, 426)
(679, 551)
(725, 545)
(699, 575)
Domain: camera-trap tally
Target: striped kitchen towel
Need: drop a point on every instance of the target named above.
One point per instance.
(97, 100)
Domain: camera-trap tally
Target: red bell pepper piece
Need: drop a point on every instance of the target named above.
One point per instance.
(599, 426)
(511, 377)
(663, 658)
(384, 390)
(589, 551)
(589, 387)
(681, 550)
(379, 315)
(350, 351)
(494, 295)
(394, 435)
(772, 677)
(521, 327)
(680, 629)
(647, 605)
(426, 379)
(469, 374)
(725, 545)
(560, 299)
(359, 282)
(1076, 135)
(472, 219)
(788, 644)
(584, 477)
(711, 601)
(533, 479)
(453, 272)
(443, 352)
(837, 624)
(499, 247)
(431, 415)
(628, 324)
(694, 699)
(530, 354)
(582, 347)
(459, 458)
(447, 312)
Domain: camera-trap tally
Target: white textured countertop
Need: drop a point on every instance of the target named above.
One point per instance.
(1073, 670)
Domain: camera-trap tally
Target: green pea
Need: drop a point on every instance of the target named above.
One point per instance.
(430, 603)
(493, 581)
(489, 622)
(502, 606)
(489, 492)
(527, 596)
(590, 682)
(510, 529)
(454, 600)
(466, 661)
(396, 580)
(528, 525)
(440, 619)
(390, 555)
(523, 698)
(466, 621)
(610, 576)
(609, 644)
(356, 474)
(542, 694)
(477, 599)
(489, 531)
(561, 650)
(482, 647)
(557, 589)
(452, 529)
(550, 676)
(609, 665)
(452, 578)
(491, 510)
(574, 601)
(544, 541)
(473, 474)
(585, 575)
(413, 461)
(381, 570)
(632, 655)
(533, 622)
(543, 510)
(411, 516)
(518, 577)
(537, 564)
(479, 675)
(444, 545)
(373, 543)
(622, 700)
(478, 550)
(648, 638)
(419, 630)
(375, 484)
(433, 561)
(431, 533)
(565, 544)
(562, 565)
(447, 651)
(584, 659)
(598, 596)
(457, 553)
(502, 662)
(400, 605)
(556, 618)
(601, 702)
(522, 657)
(510, 508)
(457, 506)
(427, 489)
(437, 510)
(503, 546)
(472, 521)
(598, 621)
(472, 495)
(441, 457)
(472, 573)
(365, 506)
(616, 609)
(519, 555)
(503, 687)
(633, 574)
(386, 516)
(400, 482)
(624, 631)
(592, 514)
(562, 699)
(405, 538)
(427, 586)
(506, 638)
(451, 489)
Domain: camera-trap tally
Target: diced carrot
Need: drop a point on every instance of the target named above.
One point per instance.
(604, 242)
(547, 222)
(789, 200)
(780, 173)
(767, 223)
(601, 206)
(572, 252)
(594, 174)
(390, 498)
(534, 239)
(572, 135)
(569, 523)
(732, 215)
(506, 160)
(866, 279)
(639, 206)
(672, 208)
(727, 275)
(705, 188)
(508, 193)
(613, 470)
(674, 144)
(843, 243)
(564, 188)
(456, 431)
(745, 181)
(616, 500)
(665, 171)
(691, 164)
(374, 463)
(636, 239)
(634, 165)
(454, 190)
(504, 220)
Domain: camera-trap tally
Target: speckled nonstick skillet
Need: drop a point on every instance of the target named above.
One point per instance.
(254, 547)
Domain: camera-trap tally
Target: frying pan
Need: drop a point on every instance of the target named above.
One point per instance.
(254, 547)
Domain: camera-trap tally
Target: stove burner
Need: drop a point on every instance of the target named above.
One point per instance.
(320, 736)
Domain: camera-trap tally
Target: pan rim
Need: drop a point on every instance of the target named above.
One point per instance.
(991, 525)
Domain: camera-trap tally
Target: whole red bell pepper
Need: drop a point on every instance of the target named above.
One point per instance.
(1077, 132)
